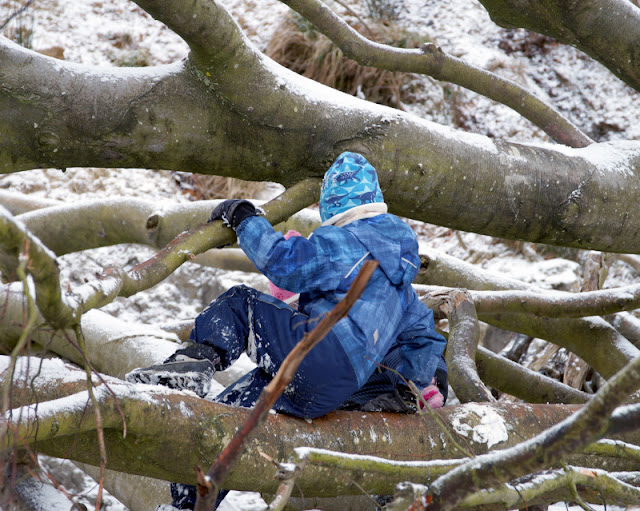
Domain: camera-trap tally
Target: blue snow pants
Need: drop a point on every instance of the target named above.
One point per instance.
(246, 320)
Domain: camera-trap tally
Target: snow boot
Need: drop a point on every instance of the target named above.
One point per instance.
(179, 372)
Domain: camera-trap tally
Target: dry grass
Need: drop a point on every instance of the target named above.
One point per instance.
(299, 47)
(201, 187)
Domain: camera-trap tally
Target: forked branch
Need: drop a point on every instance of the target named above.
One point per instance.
(432, 61)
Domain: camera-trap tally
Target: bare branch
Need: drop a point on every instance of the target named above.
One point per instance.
(513, 379)
(42, 266)
(596, 269)
(591, 338)
(18, 203)
(582, 25)
(558, 304)
(586, 426)
(210, 235)
(155, 414)
(461, 348)
(432, 61)
(528, 492)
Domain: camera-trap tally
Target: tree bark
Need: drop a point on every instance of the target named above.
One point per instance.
(228, 109)
(587, 25)
(167, 425)
(593, 339)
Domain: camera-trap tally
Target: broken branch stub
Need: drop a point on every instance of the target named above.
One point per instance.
(462, 346)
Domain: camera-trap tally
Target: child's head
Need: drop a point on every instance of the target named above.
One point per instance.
(350, 182)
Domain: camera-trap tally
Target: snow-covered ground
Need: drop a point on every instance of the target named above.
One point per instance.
(117, 32)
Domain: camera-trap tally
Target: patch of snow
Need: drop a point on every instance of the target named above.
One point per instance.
(491, 428)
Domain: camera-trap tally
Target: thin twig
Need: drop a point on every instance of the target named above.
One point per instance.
(355, 14)
(427, 409)
(289, 476)
(29, 325)
(98, 415)
(16, 13)
(431, 60)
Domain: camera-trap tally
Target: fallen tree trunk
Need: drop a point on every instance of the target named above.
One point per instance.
(166, 425)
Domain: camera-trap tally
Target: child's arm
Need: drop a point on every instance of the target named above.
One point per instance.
(421, 347)
(297, 264)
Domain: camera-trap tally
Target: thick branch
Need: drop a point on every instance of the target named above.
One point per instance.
(432, 61)
(66, 228)
(585, 24)
(209, 116)
(461, 348)
(592, 339)
(162, 424)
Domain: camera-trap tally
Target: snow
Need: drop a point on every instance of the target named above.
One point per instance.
(491, 428)
(106, 33)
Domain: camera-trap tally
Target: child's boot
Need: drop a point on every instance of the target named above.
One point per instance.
(187, 369)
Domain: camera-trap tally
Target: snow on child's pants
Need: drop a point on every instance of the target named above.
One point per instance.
(246, 320)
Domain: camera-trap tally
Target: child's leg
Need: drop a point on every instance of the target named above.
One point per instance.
(243, 319)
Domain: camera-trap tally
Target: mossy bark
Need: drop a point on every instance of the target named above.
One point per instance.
(163, 425)
(230, 111)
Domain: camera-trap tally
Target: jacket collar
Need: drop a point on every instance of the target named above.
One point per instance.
(357, 213)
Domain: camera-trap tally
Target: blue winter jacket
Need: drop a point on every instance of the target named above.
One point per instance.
(321, 269)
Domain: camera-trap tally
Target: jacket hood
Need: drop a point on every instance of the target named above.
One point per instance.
(392, 243)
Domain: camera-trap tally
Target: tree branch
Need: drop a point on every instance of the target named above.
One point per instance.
(158, 417)
(558, 304)
(178, 117)
(42, 266)
(593, 339)
(461, 348)
(539, 489)
(583, 25)
(432, 61)
(513, 379)
(584, 427)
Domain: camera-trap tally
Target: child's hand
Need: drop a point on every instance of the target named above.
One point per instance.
(233, 211)
(432, 396)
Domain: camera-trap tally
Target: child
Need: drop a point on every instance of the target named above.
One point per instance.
(388, 324)
(388, 317)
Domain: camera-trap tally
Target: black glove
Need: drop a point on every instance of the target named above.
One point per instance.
(233, 212)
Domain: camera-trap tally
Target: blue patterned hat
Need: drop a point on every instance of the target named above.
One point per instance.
(351, 181)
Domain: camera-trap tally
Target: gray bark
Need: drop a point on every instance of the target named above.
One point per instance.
(206, 115)
(606, 31)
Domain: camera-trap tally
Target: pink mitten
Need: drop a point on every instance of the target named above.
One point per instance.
(275, 291)
(432, 396)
